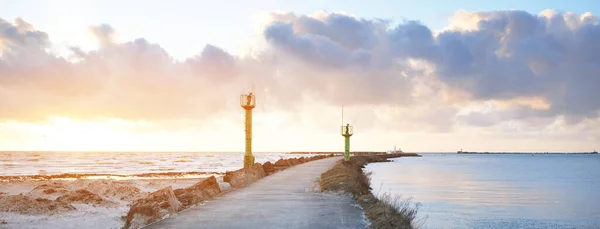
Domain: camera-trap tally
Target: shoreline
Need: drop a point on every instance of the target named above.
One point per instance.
(337, 152)
(139, 176)
(112, 201)
(382, 212)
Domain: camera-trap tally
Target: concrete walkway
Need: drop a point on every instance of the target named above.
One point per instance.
(287, 199)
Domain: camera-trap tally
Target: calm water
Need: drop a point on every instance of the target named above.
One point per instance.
(497, 191)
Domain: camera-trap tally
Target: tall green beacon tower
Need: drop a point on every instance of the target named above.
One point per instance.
(346, 132)
(248, 102)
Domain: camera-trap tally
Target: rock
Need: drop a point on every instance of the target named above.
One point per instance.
(294, 161)
(291, 161)
(49, 190)
(224, 186)
(282, 164)
(123, 190)
(26, 205)
(203, 190)
(268, 167)
(243, 177)
(228, 176)
(83, 196)
(302, 159)
(152, 207)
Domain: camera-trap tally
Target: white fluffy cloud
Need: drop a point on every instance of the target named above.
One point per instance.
(402, 77)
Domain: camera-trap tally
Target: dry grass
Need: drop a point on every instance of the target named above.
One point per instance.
(392, 212)
(143, 210)
(383, 212)
(345, 177)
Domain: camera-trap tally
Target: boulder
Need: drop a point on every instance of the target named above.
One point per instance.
(228, 175)
(152, 207)
(203, 190)
(268, 167)
(26, 205)
(291, 161)
(83, 196)
(294, 161)
(302, 159)
(243, 177)
(49, 190)
(123, 190)
(282, 164)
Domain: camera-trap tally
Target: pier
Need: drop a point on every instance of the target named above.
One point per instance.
(287, 199)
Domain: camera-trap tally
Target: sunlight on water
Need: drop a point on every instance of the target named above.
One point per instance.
(497, 191)
(126, 163)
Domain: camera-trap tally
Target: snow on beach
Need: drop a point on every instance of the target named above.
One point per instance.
(45, 189)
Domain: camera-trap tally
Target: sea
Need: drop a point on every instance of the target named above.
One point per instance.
(24, 164)
(495, 190)
(452, 190)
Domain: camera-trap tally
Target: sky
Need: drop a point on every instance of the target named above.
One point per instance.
(431, 75)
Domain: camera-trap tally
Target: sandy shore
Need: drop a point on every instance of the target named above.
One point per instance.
(113, 201)
(91, 203)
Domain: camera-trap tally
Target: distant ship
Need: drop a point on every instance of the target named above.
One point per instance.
(461, 151)
(595, 152)
(395, 151)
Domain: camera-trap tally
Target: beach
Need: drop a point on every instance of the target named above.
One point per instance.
(76, 190)
(98, 203)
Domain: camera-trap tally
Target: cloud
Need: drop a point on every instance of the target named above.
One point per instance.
(511, 54)
(104, 33)
(20, 35)
(340, 59)
(404, 76)
(495, 55)
(134, 80)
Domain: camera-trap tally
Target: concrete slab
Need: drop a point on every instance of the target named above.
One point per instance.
(287, 199)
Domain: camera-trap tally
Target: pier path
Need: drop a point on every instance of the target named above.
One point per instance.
(287, 199)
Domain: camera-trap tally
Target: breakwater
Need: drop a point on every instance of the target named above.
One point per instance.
(382, 211)
(158, 205)
(356, 153)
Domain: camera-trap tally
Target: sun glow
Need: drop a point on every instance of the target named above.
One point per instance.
(74, 135)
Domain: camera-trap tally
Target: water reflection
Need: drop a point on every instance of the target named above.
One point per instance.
(515, 191)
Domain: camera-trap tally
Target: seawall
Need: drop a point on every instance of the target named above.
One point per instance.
(382, 212)
(163, 203)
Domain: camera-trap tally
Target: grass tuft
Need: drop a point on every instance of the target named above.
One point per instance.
(386, 211)
(393, 212)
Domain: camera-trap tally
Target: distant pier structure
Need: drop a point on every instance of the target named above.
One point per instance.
(248, 102)
(346, 132)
